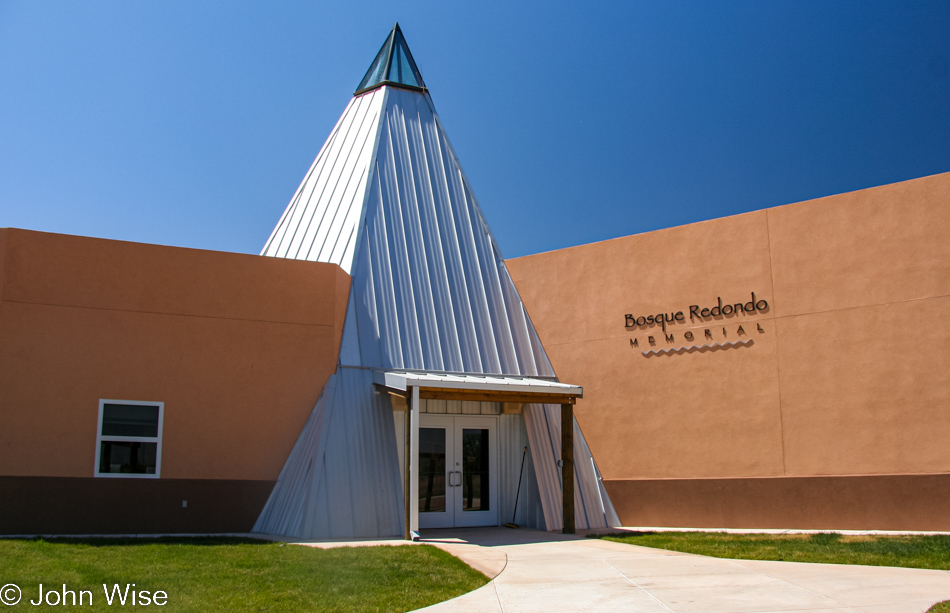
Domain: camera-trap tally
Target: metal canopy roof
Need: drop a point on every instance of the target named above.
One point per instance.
(393, 66)
(488, 388)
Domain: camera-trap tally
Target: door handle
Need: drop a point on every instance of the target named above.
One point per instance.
(455, 472)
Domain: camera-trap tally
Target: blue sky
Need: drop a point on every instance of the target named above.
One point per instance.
(192, 123)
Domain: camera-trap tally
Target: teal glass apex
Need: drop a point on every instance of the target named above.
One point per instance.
(393, 66)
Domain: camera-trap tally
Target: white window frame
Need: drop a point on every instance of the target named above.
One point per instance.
(140, 439)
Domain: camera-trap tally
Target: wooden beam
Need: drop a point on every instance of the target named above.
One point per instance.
(382, 389)
(567, 467)
(513, 408)
(399, 403)
(436, 393)
(475, 395)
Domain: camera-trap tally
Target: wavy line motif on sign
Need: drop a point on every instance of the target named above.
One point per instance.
(694, 348)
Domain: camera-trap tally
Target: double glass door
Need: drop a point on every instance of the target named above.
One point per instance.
(457, 472)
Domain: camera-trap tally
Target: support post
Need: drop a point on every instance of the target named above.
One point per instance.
(414, 471)
(406, 476)
(567, 466)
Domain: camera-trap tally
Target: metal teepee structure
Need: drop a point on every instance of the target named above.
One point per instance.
(387, 200)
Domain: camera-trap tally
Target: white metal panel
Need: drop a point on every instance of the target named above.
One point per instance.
(442, 297)
(544, 447)
(285, 507)
(322, 172)
(327, 197)
(387, 200)
(341, 479)
(321, 221)
(350, 343)
(335, 232)
(402, 380)
(446, 266)
(545, 369)
(512, 439)
(272, 246)
(380, 336)
(592, 506)
(519, 324)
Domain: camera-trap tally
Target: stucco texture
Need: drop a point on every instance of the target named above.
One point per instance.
(845, 374)
(238, 347)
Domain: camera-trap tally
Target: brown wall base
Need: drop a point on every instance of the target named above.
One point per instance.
(890, 502)
(54, 505)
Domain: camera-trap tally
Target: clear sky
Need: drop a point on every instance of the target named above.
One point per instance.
(192, 123)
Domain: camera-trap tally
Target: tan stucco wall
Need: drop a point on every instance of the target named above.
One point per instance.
(847, 375)
(238, 347)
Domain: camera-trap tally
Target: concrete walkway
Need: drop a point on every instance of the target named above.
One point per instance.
(546, 572)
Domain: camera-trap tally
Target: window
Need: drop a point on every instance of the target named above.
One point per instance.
(129, 439)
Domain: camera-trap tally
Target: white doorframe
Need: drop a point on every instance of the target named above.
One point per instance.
(489, 516)
(442, 503)
(451, 487)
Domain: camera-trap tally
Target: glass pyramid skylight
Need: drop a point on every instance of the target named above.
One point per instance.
(393, 66)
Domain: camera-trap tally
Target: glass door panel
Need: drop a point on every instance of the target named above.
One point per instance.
(457, 471)
(437, 479)
(431, 470)
(476, 491)
(475, 462)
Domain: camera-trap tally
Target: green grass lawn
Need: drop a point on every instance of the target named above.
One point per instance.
(232, 574)
(827, 548)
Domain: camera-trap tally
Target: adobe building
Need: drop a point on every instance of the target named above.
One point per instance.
(372, 373)
(216, 359)
(799, 375)
(380, 369)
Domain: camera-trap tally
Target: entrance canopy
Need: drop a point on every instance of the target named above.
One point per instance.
(484, 388)
(422, 385)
